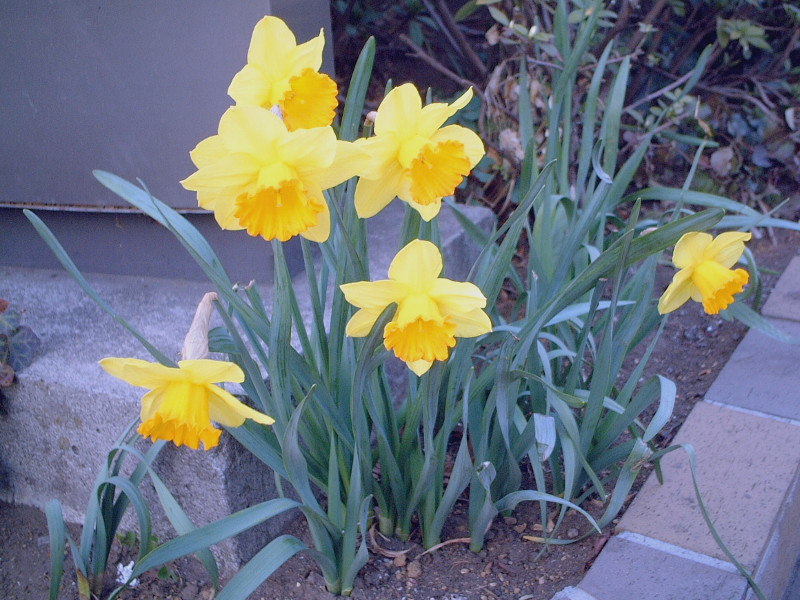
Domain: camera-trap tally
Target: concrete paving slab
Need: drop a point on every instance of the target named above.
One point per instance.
(640, 571)
(778, 562)
(762, 374)
(747, 466)
(784, 300)
(573, 593)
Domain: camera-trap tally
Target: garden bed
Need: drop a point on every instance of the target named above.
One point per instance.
(693, 349)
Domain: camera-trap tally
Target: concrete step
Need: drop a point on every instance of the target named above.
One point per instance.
(64, 413)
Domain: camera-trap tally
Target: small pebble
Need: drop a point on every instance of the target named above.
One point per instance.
(414, 569)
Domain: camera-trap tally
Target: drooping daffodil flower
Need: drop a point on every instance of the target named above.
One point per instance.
(706, 274)
(431, 311)
(183, 401)
(257, 175)
(413, 157)
(280, 73)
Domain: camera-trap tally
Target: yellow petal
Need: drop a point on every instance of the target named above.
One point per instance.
(208, 151)
(308, 55)
(471, 323)
(250, 86)
(271, 46)
(419, 367)
(205, 370)
(417, 265)
(426, 211)
(349, 161)
(224, 207)
(252, 130)
(361, 323)
(373, 295)
(308, 150)
(320, 232)
(383, 152)
(141, 372)
(226, 410)
(690, 248)
(399, 112)
(677, 293)
(457, 296)
(233, 172)
(434, 115)
(373, 195)
(727, 248)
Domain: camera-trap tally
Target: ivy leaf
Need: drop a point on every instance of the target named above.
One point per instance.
(9, 322)
(19, 348)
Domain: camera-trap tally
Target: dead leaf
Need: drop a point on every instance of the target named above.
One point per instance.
(722, 161)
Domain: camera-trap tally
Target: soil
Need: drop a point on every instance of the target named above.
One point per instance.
(692, 350)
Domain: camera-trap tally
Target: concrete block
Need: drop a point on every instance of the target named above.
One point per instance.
(784, 300)
(64, 413)
(627, 570)
(747, 466)
(762, 375)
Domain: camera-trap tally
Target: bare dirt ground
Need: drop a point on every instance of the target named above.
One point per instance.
(692, 350)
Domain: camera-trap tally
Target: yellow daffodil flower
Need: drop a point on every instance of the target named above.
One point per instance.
(414, 158)
(259, 176)
(431, 311)
(281, 73)
(705, 273)
(183, 401)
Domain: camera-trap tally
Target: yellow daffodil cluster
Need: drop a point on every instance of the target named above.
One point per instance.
(275, 150)
(275, 153)
(265, 171)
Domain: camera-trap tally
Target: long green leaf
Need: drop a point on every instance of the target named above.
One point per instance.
(213, 533)
(260, 567)
(58, 533)
(64, 259)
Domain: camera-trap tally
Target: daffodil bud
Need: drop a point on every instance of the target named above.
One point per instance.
(195, 345)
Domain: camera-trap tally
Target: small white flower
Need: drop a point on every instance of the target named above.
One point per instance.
(124, 573)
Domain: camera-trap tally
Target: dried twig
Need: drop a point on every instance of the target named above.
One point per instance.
(435, 64)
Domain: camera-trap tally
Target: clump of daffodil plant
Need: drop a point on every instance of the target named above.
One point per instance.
(536, 386)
